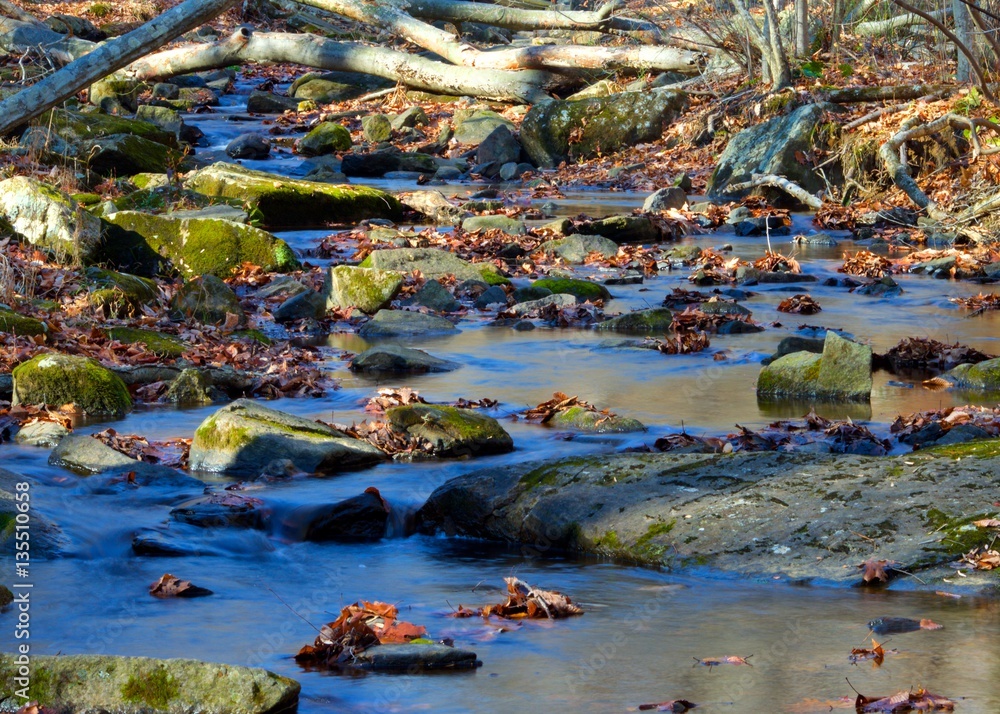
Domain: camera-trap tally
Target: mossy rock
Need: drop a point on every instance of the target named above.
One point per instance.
(244, 437)
(124, 155)
(473, 125)
(159, 343)
(197, 246)
(124, 91)
(623, 229)
(512, 226)
(654, 321)
(451, 431)
(582, 290)
(433, 264)
(293, 202)
(367, 289)
(120, 294)
(594, 422)
(404, 323)
(141, 685)
(556, 131)
(984, 376)
(376, 127)
(16, 324)
(50, 220)
(76, 126)
(65, 379)
(575, 248)
(841, 372)
(330, 87)
(326, 138)
(207, 299)
(192, 387)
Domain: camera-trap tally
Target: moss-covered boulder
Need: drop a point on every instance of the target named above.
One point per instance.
(326, 138)
(244, 437)
(403, 323)
(593, 422)
(207, 299)
(984, 376)
(331, 87)
(64, 379)
(654, 321)
(49, 219)
(396, 359)
(582, 290)
(451, 431)
(16, 324)
(557, 131)
(432, 263)
(367, 289)
(124, 155)
(141, 685)
(575, 248)
(159, 343)
(192, 387)
(283, 201)
(116, 90)
(120, 294)
(623, 229)
(75, 127)
(843, 371)
(771, 148)
(376, 127)
(215, 246)
(473, 125)
(513, 226)
(168, 120)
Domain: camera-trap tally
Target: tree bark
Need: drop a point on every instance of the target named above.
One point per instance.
(802, 27)
(963, 30)
(105, 59)
(781, 72)
(528, 86)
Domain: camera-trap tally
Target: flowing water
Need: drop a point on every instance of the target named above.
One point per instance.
(643, 630)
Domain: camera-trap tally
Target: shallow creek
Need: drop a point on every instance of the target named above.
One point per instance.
(642, 630)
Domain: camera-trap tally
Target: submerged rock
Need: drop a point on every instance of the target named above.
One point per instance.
(58, 379)
(134, 685)
(399, 360)
(842, 371)
(362, 517)
(244, 437)
(50, 219)
(284, 201)
(451, 431)
(415, 657)
(368, 289)
(562, 130)
(403, 323)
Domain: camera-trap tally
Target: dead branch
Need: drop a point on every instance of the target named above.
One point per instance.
(883, 27)
(895, 108)
(779, 182)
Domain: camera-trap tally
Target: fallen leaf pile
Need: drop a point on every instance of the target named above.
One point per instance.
(166, 452)
(359, 626)
(526, 602)
(985, 418)
(866, 264)
(560, 402)
(978, 303)
(923, 353)
(800, 305)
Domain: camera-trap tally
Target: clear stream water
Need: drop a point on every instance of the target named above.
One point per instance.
(642, 630)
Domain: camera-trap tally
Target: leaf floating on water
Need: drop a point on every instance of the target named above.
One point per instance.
(674, 705)
(875, 570)
(729, 659)
(876, 654)
(171, 586)
(524, 601)
(906, 701)
(359, 626)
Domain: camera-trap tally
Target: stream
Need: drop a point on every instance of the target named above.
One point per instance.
(643, 630)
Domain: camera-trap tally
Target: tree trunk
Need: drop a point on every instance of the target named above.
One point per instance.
(781, 72)
(528, 86)
(802, 27)
(560, 57)
(105, 59)
(883, 27)
(963, 30)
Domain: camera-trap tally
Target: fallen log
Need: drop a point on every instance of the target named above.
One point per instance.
(105, 59)
(779, 182)
(528, 86)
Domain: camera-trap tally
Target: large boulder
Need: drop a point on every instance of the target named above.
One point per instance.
(125, 155)
(245, 437)
(249, 146)
(562, 130)
(623, 229)
(500, 147)
(282, 201)
(76, 128)
(451, 431)
(207, 299)
(367, 289)
(843, 371)
(169, 120)
(379, 163)
(432, 263)
(215, 246)
(64, 379)
(140, 685)
(403, 323)
(50, 219)
(770, 148)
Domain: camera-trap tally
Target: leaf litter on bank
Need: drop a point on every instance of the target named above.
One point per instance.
(866, 264)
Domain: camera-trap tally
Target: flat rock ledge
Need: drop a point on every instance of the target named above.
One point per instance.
(134, 685)
(792, 517)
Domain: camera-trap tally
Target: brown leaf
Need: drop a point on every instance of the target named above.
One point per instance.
(170, 586)
(876, 569)
(729, 659)
(987, 523)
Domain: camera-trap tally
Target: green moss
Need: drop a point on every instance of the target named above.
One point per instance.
(581, 289)
(491, 276)
(654, 531)
(155, 690)
(326, 138)
(120, 294)
(86, 199)
(19, 324)
(608, 540)
(549, 474)
(464, 428)
(252, 336)
(74, 126)
(210, 436)
(957, 534)
(62, 379)
(980, 449)
(99, 9)
(156, 342)
(653, 321)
